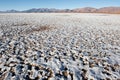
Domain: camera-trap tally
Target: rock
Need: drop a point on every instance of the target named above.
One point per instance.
(3, 77)
(73, 51)
(65, 73)
(0, 55)
(71, 75)
(106, 72)
(51, 53)
(84, 74)
(12, 64)
(91, 64)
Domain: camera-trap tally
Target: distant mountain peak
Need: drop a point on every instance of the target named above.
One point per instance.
(110, 9)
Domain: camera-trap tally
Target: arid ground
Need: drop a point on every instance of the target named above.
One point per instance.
(59, 46)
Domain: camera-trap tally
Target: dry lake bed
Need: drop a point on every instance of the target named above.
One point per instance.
(59, 46)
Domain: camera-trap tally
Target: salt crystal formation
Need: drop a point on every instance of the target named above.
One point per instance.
(59, 46)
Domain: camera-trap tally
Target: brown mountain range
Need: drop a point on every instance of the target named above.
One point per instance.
(109, 10)
(113, 10)
(85, 10)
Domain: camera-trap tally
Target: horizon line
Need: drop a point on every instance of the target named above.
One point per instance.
(60, 8)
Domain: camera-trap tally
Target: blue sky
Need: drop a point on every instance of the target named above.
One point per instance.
(60, 4)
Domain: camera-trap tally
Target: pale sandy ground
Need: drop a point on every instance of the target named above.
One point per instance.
(59, 46)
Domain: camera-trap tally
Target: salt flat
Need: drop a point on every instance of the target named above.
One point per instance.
(59, 46)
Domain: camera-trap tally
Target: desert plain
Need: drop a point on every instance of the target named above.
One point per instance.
(59, 46)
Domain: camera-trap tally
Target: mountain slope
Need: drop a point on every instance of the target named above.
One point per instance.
(115, 10)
